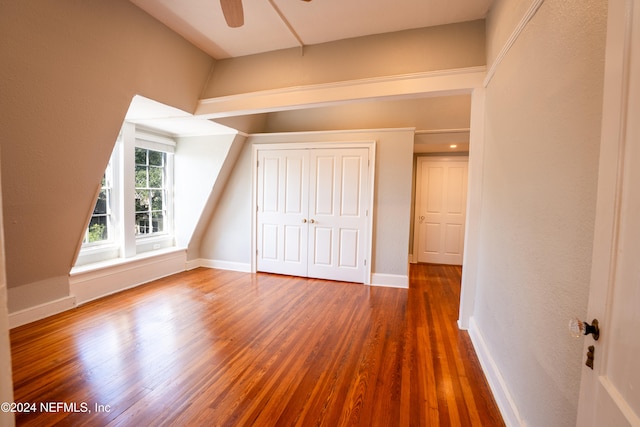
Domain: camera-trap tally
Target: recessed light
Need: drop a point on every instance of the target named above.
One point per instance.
(453, 146)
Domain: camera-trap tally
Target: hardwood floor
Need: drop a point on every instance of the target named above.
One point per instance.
(211, 347)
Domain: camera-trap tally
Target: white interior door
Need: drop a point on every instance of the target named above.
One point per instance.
(312, 212)
(441, 209)
(338, 213)
(610, 393)
(282, 230)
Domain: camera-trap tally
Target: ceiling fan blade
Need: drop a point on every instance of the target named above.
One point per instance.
(232, 11)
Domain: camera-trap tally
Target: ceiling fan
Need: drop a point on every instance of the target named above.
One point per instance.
(233, 13)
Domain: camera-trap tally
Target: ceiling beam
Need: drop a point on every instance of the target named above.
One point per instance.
(436, 83)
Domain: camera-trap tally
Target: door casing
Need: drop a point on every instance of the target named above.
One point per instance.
(370, 145)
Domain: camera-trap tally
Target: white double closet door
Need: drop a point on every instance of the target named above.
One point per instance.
(312, 212)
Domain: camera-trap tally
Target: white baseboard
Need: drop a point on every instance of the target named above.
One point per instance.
(498, 386)
(193, 264)
(90, 284)
(390, 280)
(221, 265)
(31, 314)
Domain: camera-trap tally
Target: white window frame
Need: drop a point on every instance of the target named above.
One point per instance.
(108, 188)
(156, 142)
(123, 244)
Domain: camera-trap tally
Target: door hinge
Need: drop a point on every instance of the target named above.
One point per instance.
(365, 262)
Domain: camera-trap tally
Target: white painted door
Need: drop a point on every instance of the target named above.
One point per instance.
(610, 393)
(338, 213)
(282, 211)
(441, 190)
(312, 212)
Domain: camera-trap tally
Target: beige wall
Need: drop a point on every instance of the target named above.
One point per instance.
(425, 113)
(428, 49)
(70, 69)
(543, 109)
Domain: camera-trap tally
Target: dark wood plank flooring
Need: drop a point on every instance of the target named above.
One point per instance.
(210, 347)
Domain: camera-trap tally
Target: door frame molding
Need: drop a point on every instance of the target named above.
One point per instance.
(613, 142)
(370, 145)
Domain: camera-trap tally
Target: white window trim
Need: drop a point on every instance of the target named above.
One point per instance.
(123, 245)
(156, 142)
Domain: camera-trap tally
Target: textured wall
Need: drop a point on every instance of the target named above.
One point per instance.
(70, 69)
(543, 109)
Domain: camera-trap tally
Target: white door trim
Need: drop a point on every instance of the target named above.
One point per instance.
(596, 393)
(370, 145)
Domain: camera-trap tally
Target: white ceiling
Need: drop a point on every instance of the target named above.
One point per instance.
(202, 23)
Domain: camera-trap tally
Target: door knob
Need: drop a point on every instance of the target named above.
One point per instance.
(304, 220)
(312, 221)
(579, 328)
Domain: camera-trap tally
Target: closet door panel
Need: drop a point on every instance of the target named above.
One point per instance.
(282, 211)
(338, 217)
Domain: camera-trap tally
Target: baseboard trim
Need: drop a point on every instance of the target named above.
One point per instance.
(390, 280)
(498, 386)
(221, 265)
(41, 311)
(90, 285)
(193, 264)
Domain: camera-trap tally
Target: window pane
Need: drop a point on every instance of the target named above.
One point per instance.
(158, 221)
(101, 204)
(155, 177)
(150, 192)
(98, 229)
(156, 200)
(142, 200)
(141, 156)
(141, 177)
(142, 223)
(156, 158)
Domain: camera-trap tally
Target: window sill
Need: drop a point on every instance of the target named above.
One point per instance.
(116, 262)
(93, 281)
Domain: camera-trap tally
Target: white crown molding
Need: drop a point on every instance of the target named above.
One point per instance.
(440, 83)
(257, 136)
(533, 8)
